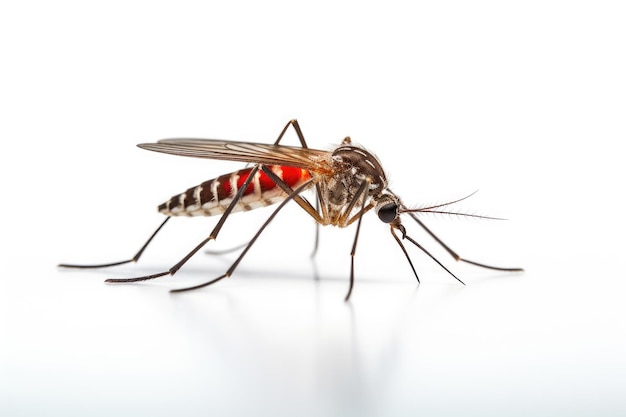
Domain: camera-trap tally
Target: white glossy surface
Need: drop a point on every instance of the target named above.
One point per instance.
(525, 103)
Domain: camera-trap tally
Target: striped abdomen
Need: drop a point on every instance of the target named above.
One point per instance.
(213, 197)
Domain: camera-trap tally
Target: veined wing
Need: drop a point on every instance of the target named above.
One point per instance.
(249, 152)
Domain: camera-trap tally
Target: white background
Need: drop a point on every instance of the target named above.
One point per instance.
(524, 101)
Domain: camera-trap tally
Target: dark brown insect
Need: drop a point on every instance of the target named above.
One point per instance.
(348, 182)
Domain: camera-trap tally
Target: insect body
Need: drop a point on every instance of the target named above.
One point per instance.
(348, 182)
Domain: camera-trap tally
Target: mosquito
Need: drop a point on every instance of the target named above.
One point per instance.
(348, 182)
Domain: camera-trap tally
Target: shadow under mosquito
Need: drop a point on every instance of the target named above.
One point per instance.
(481, 277)
(349, 375)
(198, 275)
(308, 273)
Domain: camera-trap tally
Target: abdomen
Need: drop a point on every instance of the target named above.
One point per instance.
(213, 197)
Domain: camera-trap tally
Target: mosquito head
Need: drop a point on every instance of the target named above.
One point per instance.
(387, 209)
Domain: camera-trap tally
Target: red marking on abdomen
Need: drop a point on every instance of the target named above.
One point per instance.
(187, 202)
(224, 189)
(265, 182)
(292, 175)
(243, 176)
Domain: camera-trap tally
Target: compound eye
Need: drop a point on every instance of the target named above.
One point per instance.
(388, 212)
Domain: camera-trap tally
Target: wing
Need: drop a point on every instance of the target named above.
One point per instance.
(249, 152)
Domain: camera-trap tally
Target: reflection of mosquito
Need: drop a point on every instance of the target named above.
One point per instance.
(348, 181)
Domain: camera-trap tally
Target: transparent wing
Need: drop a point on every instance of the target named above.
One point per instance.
(310, 159)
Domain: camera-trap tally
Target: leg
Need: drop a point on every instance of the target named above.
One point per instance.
(133, 259)
(296, 127)
(363, 189)
(454, 254)
(423, 249)
(212, 236)
(406, 254)
(317, 230)
(222, 220)
(302, 202)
